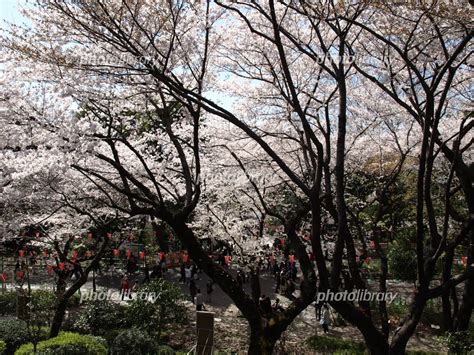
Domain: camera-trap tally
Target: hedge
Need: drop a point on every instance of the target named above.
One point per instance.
(67, 343)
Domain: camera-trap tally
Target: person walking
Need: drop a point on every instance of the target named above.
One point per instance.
(209, 290)
(199, 300)
(187, 274)
(192, 289)
(125, 287)
(278, 282)
(324, 321)
(182, 272)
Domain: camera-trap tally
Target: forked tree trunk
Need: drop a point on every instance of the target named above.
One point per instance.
(400, 339)
(375, 340)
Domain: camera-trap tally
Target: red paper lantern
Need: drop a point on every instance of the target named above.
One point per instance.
(464, 260)
(61, 266)
(291, 258)
(44, 253)
(116, 252)
(19, 275)
(227, 260)
(21, 252)
(142, 255)
(129, 253)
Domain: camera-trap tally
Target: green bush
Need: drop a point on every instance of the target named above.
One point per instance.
(14, 333)
(402, 261)
(134, 341)
(165, 350)
(460, 342)
(7, 303)
(99, 317)
(167, 307)
(335, 345)
(47, 298)
(3, 347)
(43, 299)
(67, 344)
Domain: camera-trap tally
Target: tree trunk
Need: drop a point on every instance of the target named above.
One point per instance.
(374, 340)
(58, 317)
(400, 339)
(382, 304)
(260, 342)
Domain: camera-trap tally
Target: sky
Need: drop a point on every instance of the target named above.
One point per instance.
(9, 13)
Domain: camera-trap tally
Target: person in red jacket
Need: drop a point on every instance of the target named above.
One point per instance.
(125, 287)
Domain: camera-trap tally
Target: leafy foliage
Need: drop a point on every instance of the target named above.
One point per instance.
(67, 343)
(14, 333)
(335, 345)
(134, 341)
(167, 308)
(98, 317)
(7, 303)
(460, 342)
(402, 261)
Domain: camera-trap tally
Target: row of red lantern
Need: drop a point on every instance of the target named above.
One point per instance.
(44, 253)
(90, 235)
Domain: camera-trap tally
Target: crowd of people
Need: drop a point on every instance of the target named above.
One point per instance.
(284, 273)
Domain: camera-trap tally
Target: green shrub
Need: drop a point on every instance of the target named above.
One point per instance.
(402, 261)
(167, 307)
(460, 342)
(3, 347)
(134, 341)
(47, 298)
(74, 300)
(14, 333)
(165, 350)
(7, 303)
(67, 344)
(43, 299)
(335, 345)
(98, 317)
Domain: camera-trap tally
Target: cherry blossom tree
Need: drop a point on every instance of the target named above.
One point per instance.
(141, 81)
